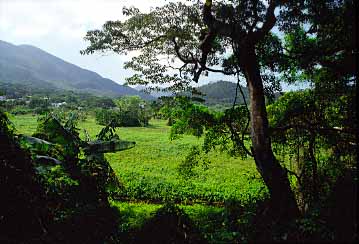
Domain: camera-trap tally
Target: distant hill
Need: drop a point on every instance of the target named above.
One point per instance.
(222, 92)
(34, 67)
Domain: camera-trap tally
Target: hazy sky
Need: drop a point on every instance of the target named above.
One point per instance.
(58, 27)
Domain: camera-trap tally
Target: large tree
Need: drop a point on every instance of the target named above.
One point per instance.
(179, 42)
(322, 54)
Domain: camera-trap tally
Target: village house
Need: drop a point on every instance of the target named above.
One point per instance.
(57, 105)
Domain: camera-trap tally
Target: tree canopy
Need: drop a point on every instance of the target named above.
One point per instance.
(260, 41)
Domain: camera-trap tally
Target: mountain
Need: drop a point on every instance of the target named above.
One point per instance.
(32, 66)
(219, 92)
(222, 92)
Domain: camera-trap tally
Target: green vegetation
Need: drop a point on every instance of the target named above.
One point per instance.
(149, 171)
(149, 174)
(129, 111)
(70, 182)
(222, 92)
(264, 43)
(259, 169)
(21, 99)
(218, 198)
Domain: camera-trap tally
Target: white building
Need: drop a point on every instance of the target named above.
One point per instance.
(57, 105)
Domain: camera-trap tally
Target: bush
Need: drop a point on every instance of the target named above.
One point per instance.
(22, 201)
(168, 225)
(130, 111)
(105, 116)
(20, 110)
(76, 179)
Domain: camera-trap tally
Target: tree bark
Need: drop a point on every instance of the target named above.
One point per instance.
(283, 203)
(315, 191)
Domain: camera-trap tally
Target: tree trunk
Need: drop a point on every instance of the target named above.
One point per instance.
(283, 204)
(315, 183)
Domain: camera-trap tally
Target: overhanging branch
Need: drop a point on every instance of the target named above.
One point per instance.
(268, 24)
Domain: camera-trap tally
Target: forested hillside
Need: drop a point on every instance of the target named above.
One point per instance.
(223, 92)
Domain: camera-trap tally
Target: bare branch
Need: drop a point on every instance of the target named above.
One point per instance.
(219, 71)
(299, 177)
(235, 138)
(312, 127)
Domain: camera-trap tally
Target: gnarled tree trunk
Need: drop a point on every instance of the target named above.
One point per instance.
(283, 203)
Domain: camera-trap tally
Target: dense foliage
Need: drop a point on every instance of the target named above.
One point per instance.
(129, 111)
(312, 134)
(67, 179)
(313, 42)
(303, 145)
(222, 92)
(24, 207)
(21, 99)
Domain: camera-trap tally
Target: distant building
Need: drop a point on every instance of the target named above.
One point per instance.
(2, 98)
(57, 105)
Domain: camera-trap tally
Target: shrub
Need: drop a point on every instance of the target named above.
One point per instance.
(20, 110)
(105, 116)
(168, 225)
(130, 111)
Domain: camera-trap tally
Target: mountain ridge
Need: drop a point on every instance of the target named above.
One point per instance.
(32, 65)
(222, 92)
(215, 92)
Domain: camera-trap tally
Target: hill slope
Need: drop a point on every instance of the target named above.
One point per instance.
(219, 92)
(30, 65)
(222, 92)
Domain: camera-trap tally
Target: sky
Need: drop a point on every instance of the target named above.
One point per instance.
(59, 26)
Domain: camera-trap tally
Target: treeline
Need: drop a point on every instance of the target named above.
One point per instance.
(18, 99)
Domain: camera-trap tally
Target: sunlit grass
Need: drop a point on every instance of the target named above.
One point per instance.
(210, 221)
(149, 173)
(149, 170)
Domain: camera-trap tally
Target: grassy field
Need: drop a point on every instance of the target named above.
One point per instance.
(150, 177)
(211, 221)
(149, 170)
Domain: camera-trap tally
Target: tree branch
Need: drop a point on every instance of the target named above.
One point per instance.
(268, 24)
(219, 71)
(235, 138)
(299, 177)
(214, 25)
(312, 127)
(185, 60)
